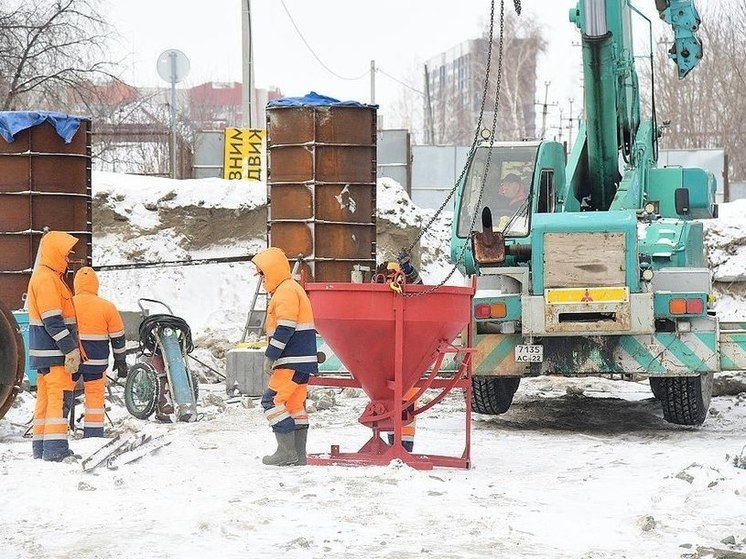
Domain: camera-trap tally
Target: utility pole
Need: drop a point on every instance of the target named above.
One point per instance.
(571, 125)
(429, 124)
(247, 85)
(372, 82)
(544, 110)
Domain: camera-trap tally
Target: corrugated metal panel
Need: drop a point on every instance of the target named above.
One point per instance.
(322, 187)
(44, 184)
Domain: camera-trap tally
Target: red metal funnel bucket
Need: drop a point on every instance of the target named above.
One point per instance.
(358, 321)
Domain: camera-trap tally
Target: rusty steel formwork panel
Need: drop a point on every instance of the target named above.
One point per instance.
(45, 184)
(322, 187)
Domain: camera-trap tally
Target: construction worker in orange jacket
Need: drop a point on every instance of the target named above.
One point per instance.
(387, 273)
(53, 345)
(290, 357)
(99, 324)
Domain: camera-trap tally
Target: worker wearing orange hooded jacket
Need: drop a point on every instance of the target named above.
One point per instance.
(53, 345)
(290, 357)
(99, 323)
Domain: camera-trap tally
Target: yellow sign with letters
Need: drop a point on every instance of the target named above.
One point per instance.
(245, 154)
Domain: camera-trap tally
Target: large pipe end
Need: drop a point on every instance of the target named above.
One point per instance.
(12, 359)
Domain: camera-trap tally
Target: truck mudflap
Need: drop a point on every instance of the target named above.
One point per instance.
(733, 346)
(660, 354)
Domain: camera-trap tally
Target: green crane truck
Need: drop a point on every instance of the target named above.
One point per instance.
(601, 270)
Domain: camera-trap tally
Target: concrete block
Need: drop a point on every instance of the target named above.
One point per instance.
(243, 370)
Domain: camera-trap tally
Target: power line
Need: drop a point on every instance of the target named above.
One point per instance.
(312, 51)
(397, 80)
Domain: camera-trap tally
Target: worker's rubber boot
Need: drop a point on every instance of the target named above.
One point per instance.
(285, 454)
(301, 436)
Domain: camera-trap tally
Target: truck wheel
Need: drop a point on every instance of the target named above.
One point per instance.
(141, 390)
(656, 387)
(685, 400)
(493, 395)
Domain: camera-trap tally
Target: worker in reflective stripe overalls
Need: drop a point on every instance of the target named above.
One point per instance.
(53, 345)
(290, 357)
(99, 324)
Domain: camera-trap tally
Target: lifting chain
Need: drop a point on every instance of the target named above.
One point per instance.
(475, 141)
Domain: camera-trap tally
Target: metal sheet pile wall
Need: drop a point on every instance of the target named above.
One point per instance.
(322, 187)
(44, 183)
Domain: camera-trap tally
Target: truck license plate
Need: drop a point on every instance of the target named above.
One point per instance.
(529, 353)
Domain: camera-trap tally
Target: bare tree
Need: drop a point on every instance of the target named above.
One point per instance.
(51, 50)
(707, 109)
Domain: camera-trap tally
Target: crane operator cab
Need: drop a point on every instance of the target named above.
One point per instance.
(505, 183)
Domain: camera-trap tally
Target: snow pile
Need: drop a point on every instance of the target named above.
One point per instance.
(725, 238)
(140, 219)
(726, 241)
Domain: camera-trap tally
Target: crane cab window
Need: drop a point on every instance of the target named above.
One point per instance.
(547, 198)
(503, 190)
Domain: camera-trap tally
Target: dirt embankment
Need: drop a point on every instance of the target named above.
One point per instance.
(197, 227)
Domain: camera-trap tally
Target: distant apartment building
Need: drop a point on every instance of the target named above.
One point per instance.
(455, 89)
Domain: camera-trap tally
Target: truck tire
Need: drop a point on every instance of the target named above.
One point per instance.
(493, 395)
(685, 400)
(656, 386)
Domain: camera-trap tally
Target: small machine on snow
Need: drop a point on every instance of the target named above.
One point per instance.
(161, 381)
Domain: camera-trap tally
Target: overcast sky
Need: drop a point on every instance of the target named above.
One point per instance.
(400, 35)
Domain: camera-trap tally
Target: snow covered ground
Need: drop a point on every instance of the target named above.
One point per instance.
(578, 468)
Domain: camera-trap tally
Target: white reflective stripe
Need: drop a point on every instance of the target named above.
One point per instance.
(289, 323)
(306, 326)
(95, 410)
(120, 349)
(93, 424)
(35, 323)
(303, 359)
(116, 334)
(301, 420)
(41, 421)
(62, 334)
(45, 353)
(407, 438)
(278, 345)
(276, 414)
(49, 314)
(94, 337)
(38, 437)
(70, 321)
(96, 362)
(55, 437)
(56, 421)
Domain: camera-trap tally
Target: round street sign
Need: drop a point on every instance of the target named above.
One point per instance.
(173, 66)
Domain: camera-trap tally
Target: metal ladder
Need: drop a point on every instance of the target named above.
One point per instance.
(256, 318)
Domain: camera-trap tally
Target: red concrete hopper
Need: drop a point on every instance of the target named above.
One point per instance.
(358, 321)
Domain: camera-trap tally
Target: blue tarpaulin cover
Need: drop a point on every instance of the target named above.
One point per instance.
(13, 122)
(315, 100)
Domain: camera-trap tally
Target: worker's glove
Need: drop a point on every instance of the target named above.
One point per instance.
(121, 368)
(72, 361)
(267, 366)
